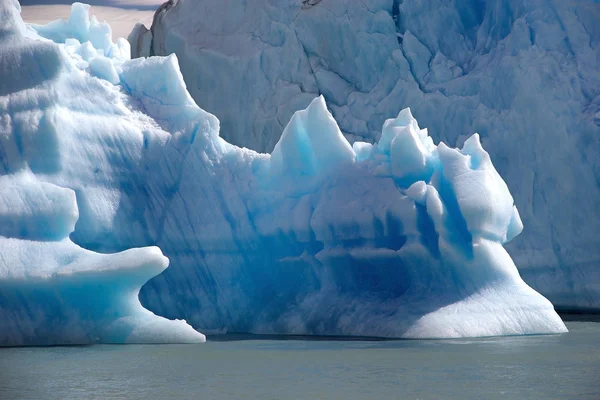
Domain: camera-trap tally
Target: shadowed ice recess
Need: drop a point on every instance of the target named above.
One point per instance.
(402, 238)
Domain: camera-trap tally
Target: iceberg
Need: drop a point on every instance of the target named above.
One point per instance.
(102, 154)
(522, 74)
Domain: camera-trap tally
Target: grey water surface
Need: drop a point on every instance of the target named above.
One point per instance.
(563, 366)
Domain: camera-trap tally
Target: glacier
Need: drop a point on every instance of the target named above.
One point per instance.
(105, 160)
(522, 74)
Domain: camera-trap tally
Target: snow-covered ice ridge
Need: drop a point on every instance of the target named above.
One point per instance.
(101, 154)
(524, 74)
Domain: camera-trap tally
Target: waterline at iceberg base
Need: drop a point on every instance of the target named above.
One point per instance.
(402, 238)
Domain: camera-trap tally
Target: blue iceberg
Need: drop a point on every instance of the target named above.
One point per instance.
(101, 154)
(524, 74)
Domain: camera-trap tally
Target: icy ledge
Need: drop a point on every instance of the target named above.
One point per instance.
(55, 292)
(398, 239)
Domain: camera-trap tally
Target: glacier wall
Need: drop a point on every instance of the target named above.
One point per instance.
(522, 74)
(402, 238)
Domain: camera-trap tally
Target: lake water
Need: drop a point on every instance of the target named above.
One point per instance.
(536, 367)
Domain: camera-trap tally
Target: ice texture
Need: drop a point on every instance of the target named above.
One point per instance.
(402, 238)
(53, 291)
(522, 74)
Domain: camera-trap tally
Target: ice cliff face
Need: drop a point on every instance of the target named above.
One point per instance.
(402, 238)
(522, 74)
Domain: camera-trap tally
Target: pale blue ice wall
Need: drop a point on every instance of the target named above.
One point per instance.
(525, 75)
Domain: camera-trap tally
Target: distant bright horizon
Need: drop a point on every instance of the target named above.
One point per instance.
(122, 15)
